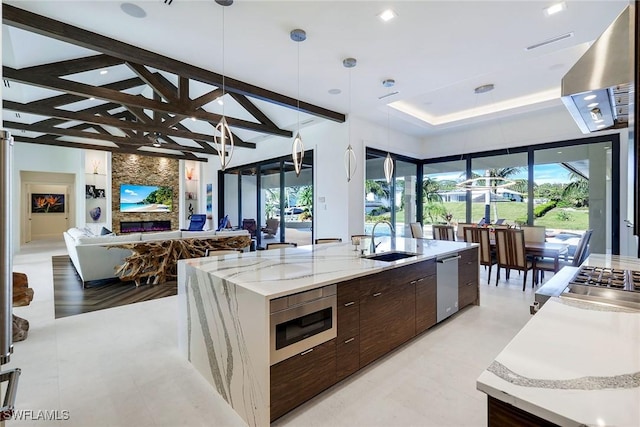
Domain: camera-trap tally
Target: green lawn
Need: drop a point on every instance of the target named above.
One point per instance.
(558, 218)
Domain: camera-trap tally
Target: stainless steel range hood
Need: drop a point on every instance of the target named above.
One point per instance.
(596, 89)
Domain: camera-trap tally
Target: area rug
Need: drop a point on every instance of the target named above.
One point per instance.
(70, 298)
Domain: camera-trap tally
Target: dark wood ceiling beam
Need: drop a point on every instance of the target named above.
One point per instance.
(170, 94)
(58, 100)
(183, 91)
(50, 140)
(109, 95)
(73, 66)
(252, 109)
(48, 27)
(118, 140)
(206, 98)
(110, 121)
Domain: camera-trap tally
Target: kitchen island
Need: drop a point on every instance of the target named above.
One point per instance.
(227, 307)
(577, 362)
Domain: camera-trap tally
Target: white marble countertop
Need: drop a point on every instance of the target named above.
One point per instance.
(280, 272)
(574, 363)
(613, 261)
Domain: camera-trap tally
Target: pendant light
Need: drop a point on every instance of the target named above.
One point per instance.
(297, 150)
(388, 161)
(222, 128)
(350, 163)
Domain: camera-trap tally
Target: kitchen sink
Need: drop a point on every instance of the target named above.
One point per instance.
(390, 256)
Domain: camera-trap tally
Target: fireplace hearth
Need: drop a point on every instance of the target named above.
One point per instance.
(144, 226)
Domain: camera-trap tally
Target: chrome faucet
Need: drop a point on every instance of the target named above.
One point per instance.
(373, 246)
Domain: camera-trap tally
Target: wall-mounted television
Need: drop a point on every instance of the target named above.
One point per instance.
(145, 198)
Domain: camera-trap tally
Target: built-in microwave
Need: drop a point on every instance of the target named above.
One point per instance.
(302, 321)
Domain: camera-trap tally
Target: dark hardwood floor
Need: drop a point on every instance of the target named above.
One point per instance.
(70, 298)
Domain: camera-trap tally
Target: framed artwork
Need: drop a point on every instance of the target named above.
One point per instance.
(191, 195)
(209, 201)
(47, 203)
(90, 191)
(100, 193)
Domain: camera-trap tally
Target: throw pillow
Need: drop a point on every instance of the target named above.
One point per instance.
(105, 231)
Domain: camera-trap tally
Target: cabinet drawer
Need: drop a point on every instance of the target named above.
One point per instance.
(348, 309)
(416, 271)
(299, 378)
(380, 283)
(426, 303)
(347, 356)
(467, 257)
(467, 294)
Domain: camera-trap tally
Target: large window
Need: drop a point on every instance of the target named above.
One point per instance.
(271, 190)
(443, 200)
(565, 187)
(499, 188)
(395, 201)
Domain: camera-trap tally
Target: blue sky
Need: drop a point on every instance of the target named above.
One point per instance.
(134, 193)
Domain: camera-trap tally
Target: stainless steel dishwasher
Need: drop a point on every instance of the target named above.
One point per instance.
(447, 286)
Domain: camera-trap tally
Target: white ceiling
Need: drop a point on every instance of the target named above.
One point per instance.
(437, 51)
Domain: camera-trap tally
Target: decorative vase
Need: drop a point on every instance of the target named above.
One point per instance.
(190, 173)
(95, 213)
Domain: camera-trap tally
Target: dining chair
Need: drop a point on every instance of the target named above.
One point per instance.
(534, 233)
(548, 264)
(281, 245)
(416, 230)
(328, 240)
(468, 234)
(511, 253)
(443, 232)
(460, 229)
(482, 236)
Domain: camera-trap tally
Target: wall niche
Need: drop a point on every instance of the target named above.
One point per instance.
(133, 169)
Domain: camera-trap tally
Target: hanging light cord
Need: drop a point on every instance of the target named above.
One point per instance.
(298, 101)
(223, 78)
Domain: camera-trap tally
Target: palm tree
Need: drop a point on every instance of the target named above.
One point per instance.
(433, 208)
(577, 191)
(503, 173)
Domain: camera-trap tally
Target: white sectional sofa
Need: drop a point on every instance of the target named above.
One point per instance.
(94, 258)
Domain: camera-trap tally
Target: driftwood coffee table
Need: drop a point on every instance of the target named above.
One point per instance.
(156, 261)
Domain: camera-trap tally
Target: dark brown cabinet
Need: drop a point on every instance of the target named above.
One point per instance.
(426, 303)
(299, 378)
(348, 340)
(468, 277)
(387, 314)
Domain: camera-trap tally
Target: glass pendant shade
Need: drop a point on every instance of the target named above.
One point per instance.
(388, 168)
(297, 153)
(350, 162)
(221, 143)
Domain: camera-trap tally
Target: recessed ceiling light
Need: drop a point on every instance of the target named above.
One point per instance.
(484, 88)
(133, 10)
(589, 97)
(555, 8)
(103, 72)
(387, 15)
(600, 126)
(599, 121)
(593, 104)
(559, 152)
(92, 99)
(335, 91)
(220, 101)
(193, 119)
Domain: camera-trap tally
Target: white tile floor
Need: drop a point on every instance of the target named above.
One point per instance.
(121, 367)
